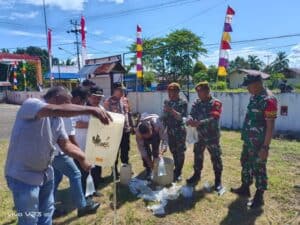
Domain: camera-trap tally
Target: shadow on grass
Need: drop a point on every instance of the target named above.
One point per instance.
(182, 204)
(238, 213)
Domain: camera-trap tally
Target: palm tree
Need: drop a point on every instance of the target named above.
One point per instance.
(254, 62)
(280, 63)
(238, 63)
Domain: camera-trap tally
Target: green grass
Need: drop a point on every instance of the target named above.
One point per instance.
(282, 200)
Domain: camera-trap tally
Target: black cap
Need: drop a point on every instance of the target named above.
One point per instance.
(88, 83)
(97, 91)
(250, 79)
(118, 85)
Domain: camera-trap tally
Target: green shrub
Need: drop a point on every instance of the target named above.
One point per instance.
(220, 85)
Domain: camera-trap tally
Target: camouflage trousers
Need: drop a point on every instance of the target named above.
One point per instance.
(215, 152)
(177, 147)
(253, 166)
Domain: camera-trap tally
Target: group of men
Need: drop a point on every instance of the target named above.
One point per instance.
(38, 159)
(155, 132)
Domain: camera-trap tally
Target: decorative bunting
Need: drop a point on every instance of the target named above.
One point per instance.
(24, 74)
(227, 27)
(222, 71)
(226, 37)
(139, 53)
(225, 43)
(15, 87)
(223, 62)
(49, 41)
(230, 11)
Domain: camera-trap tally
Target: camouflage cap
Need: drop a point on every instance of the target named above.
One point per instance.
(202, 84)
(174, 86)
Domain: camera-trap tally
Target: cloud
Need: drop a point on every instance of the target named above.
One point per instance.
(25, 33)
(117, 38)
(213, 56)
(97, 32)
(28, 15)
(294, 56)
(7, 4)
(67, 5)
(114, 1)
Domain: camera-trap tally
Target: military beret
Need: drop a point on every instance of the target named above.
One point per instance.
(250, 79)
(202, 84)
(174, 86)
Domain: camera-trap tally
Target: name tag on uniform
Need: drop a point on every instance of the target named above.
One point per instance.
(254, 110)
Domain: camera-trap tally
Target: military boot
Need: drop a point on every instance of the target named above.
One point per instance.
(193, 180)
(258, 200)
(243, 190)
(218, 183)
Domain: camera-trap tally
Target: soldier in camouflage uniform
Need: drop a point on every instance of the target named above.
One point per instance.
(205, 115)
(256, 134)
(174, 110)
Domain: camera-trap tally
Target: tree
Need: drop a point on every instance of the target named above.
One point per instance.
(69, 62)
(275, 80)
(212, 73)
(4, 50)
(36, 51)
(280, 63)
(254, 62)
(200, 76)
(171, 57)
(148, 78)
(199, 67)
(238, 63)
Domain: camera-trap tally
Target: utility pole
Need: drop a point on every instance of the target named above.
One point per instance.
(268, 59)
(76, 31)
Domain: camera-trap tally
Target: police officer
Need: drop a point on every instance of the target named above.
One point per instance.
(174, 110)
(118, 103)
(256, 134)
(205, 115)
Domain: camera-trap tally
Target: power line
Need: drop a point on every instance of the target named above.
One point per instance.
(76, 31)
(143, 9)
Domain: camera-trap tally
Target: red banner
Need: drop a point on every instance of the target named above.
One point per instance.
(82, 23)
(49, 41)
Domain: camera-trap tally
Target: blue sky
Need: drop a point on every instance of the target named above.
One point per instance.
(22, 24)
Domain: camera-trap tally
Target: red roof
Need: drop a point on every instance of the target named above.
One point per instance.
(18, 57)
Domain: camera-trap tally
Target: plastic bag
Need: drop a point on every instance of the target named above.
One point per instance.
(90, 187)
(187, 191)
(161, 168)
(191, 135)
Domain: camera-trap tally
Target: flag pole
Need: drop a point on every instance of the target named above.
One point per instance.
(49, 53)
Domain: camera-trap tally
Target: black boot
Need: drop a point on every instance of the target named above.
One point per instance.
(218, 183)
(258, 200)
(193, 180)
(90, 208)
(244, 190)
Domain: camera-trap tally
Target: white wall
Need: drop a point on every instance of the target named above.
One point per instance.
(234, 108)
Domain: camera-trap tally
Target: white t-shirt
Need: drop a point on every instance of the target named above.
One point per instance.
(81, 133)
(70, 130)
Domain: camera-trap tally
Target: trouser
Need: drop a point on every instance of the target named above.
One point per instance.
(95, 173)
(177, 147)
(253, 166)
(124, 149)
(215, 152)
(65, 165)
(152, 148)
(34, 204)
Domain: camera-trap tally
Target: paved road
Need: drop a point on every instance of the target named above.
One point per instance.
(7, 118)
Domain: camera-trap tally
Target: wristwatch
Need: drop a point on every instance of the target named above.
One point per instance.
(265, 147)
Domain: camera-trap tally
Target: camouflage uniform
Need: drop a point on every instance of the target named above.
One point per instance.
(176, 132)
(208, 113)
(260, 108)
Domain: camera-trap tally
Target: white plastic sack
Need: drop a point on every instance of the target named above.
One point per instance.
(187, 191)
(191, 135)
(103, 141)
(90, 187)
